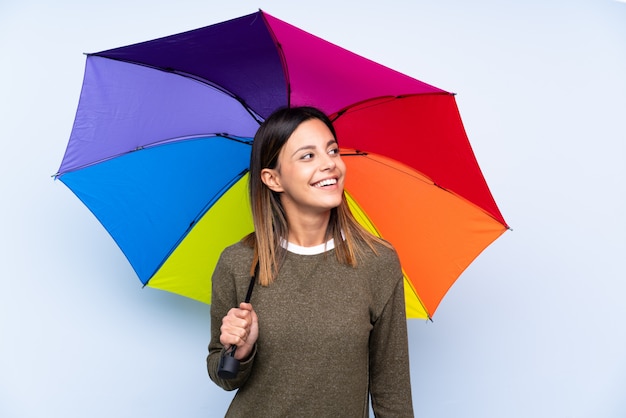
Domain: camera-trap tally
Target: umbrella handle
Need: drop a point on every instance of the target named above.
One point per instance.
(229, 365)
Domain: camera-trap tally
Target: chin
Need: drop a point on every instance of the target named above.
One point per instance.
(333, 205)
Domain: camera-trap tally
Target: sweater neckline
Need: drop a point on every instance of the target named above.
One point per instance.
(316, 249)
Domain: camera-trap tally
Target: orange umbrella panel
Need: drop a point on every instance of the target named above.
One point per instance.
(436, 233)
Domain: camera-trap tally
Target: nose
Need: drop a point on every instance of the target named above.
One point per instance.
(328, 163)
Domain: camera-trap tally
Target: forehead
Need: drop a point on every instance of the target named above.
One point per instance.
(310, 132)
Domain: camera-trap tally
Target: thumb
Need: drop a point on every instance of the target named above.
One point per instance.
(246, 306)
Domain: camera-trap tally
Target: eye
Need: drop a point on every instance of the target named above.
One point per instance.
(334, 151)
(307, 156)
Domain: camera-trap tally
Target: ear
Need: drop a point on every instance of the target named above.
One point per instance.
(271, 179)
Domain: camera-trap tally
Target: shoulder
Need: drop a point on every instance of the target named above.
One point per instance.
(236, 253)
(234, 261)
(384, 260)
(381, 266)
(231, 275)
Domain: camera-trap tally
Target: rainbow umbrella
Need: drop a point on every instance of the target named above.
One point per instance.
(160, 147)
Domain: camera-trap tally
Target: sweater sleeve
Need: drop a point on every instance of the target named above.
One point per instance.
(224, 296)
(390, 384)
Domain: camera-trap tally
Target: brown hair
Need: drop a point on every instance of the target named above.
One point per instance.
(270, 221)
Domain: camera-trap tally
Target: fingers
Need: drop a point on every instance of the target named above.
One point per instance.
(237, 325)
(240, 328)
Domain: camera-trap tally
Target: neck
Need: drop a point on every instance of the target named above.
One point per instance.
(309, 232)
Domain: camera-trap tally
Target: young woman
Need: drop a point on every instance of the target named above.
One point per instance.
(325, 329)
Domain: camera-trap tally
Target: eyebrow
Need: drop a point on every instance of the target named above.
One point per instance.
(309, 147)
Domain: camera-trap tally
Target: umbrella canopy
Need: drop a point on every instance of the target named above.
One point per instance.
(160, 147)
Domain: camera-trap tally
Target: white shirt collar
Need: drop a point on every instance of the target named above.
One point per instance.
(317, 249)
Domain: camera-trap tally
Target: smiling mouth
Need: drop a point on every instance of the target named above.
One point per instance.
(327, 182)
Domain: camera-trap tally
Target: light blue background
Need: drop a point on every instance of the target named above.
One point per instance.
(532, 328)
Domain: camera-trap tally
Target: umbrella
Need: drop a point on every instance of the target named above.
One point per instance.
(160, 146)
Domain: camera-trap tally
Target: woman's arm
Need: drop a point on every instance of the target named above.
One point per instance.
(390, 383)
(223, 298)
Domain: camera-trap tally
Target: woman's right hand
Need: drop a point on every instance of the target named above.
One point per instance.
(240, 327)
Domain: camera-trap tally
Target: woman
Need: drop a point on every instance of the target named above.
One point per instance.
(326, 326)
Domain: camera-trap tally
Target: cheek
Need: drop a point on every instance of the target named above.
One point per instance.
(341, 166)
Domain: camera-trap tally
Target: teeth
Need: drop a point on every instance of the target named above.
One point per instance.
(327, 182)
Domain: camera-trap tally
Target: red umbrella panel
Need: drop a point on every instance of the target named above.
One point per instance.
(439, 217)
(160, 146)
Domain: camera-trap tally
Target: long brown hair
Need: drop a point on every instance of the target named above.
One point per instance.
(270, 220)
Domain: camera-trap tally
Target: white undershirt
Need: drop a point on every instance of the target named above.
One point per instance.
(316, 249)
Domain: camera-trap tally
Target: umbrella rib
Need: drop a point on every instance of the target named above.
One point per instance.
(216, 86)
(281, 55)
(377, 101)
(193, 77)
(421, 177)
(242, 140)
(199, 216)
(419, 300)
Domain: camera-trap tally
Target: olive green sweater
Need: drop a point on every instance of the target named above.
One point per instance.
(329, 336)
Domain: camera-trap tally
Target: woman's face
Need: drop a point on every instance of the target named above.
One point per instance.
(310, 172)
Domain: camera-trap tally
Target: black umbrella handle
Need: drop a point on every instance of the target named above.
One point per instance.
(229, 365)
